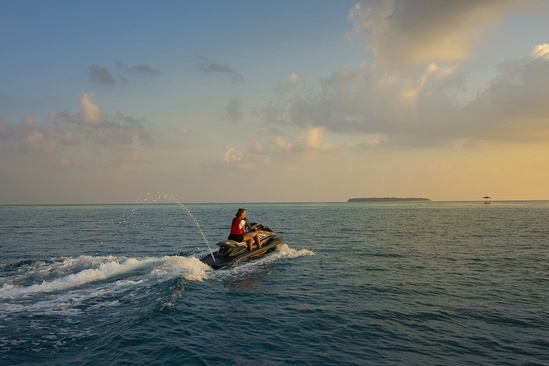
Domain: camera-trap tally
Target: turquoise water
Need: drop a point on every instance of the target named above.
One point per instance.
(354, 284)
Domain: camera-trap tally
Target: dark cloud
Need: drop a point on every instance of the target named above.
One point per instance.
(101, 75)
(210, 67)
(145, 69)
(139, 69)
(130, 128)
(6, 130)
(104, 76)
(412, 33)
(234, 110)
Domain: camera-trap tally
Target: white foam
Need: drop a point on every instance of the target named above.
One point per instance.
(285, 251)
(191, 268)
(71, 282)
(111, 268)
(103, 268)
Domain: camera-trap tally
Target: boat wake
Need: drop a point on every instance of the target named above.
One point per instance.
(102, 274)
(59, 302)
(54, 304)
(281, 253)
(87, 277)
(285, 252)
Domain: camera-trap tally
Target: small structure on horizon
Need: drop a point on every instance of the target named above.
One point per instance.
(486, 200)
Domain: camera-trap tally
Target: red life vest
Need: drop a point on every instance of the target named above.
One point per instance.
(235, 227)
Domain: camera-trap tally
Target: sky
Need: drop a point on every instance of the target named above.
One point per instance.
(273, 101)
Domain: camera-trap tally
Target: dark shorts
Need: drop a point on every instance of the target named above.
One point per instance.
(237, 238)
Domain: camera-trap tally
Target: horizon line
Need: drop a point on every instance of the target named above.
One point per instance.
(263, 202)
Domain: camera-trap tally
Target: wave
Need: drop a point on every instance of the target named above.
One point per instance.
(76, 272)
(86, 299)
(281, 253)
(91, 276)
(67, 300)
(284, 251)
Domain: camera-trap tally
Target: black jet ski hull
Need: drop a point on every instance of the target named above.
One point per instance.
(231, 252)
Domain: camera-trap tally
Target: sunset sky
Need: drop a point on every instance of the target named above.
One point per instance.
(273, 101)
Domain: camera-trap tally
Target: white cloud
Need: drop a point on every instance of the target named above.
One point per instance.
(423, 103)
(69, 137)
(257, 147)
(282, 144)
(540, 51)
(236, 159)
(514, 106)
(312, 140)
(38, 141)
(89, 110)
(64, 162)
(368, 100)
(88, 137)
(94, 126)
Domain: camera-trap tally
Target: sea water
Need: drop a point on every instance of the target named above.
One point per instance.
(354, 284)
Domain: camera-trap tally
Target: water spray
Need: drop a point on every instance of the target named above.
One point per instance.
(180, 204)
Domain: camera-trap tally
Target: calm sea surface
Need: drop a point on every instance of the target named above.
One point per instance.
(355, 284)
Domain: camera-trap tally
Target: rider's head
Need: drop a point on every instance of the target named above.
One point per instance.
(240, 212)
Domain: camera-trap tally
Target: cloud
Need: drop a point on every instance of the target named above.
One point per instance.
(311, 140)
(288, 86)
(139, 69)
(233, 111)
(144, 69)
(209, 67)
(413, 91)
(130, 130)
(309, 143)
(101, 75)
(64, 163)
(349, 101)
(89, 127)
(27, 136)
(38, 141)
(514, 106)
(236, 159)
(89, 111)
(104, 76)
(6, 130)
(412, 33)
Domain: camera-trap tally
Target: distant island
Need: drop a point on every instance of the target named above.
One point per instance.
(388, 199)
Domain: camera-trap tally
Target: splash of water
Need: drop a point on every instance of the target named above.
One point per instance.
(162, 197)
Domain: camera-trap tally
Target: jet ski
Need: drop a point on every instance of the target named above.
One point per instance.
(231, 252)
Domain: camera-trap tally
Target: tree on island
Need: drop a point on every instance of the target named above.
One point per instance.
(387, 199)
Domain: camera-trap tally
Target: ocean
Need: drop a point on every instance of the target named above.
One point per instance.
(431, 283)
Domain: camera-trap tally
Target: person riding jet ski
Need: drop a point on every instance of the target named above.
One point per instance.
(241, 230)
